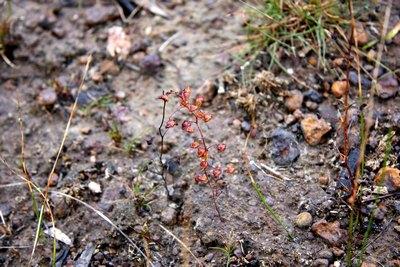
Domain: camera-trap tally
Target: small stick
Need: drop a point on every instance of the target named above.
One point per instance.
(275, 174)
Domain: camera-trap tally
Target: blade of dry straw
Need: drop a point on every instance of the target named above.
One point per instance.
(181, 242)
(89, 60)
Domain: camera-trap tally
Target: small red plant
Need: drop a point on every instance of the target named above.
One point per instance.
(210, 171)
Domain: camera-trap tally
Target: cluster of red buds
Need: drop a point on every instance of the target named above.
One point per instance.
(192, 108)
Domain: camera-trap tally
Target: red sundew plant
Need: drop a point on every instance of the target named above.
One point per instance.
(210, 171)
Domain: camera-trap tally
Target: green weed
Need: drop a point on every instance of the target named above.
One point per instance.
(292, 26)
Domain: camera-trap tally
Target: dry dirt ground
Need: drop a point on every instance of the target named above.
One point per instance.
(50, 43)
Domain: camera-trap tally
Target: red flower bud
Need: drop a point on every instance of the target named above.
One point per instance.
(203, 164)
(202, 152)
(192, 108)
(190, 129)
(199, 114)
(199, 101)
(221, 147)
(170, 123)
(230, 169)
(216, 172)
(201, 179)
(163, 97)
(185, 125)
(207, 117)
(195, 144)
(185, 94)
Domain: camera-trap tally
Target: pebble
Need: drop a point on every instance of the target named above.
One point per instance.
(246, 126)
(337, 252)
(108, 67)
(53, 181)
(314, 129)
(303, 219)
(321, 263)
(353, 78)
(323, 180)
(293, 100)
(58, 32)
(168, 215)
(290, 119)
(325, 254)
(120, 95)
(313, 96)
(313, 61)
(397, 228)
(379, 212)
(328, 113)
(284, 147)
(387, 87)
(330, 232)
(360, 34)
(85, 130)
(298, 114)
(208, 90)
(47, 97)
(339, 88)
(236, 123)
(389, 177)
(100, 14)
(94, 187)
(150, 64)
(311, 105)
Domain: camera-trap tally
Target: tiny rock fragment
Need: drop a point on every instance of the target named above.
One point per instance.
(293, 100)
(388, 177)
(329, 232)
(59, 235)
(313, 61)
(314, 129)
(313, 96)
(208, 90)
(360, 35)
(94, 187)
(100, 14)
(86, 256)
(371, 55)
(284, 147)
(150, 64)
(337, 252)
(47, 97)
(387, 87)
(320, 263)
(323, 180)
(168, 215)
(325, 254)
(109, 67)
(118, 43)
(303, 219)
(53, 180)
(85, 130)
(339, 88)
(120, 95)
